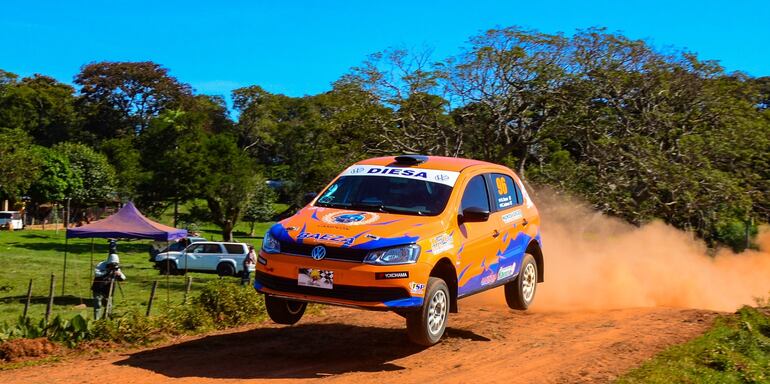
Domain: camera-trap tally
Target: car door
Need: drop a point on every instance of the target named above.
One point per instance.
(209, 256)
(477, 240)
(509, 216)
(192, 255)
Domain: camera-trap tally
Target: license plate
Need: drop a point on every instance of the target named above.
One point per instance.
(319, 278)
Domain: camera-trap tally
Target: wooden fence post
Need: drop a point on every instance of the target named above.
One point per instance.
(187, 287)
(152, 296)
(50, 299)
(29, 298)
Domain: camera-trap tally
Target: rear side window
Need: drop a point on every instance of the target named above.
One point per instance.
(505, 191)
(475, 194)
(235, 248)
(210, 248)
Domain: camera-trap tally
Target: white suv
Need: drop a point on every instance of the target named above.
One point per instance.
(11, 218)
(225, 259)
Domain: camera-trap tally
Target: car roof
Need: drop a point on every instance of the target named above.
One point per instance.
(456, 164)
(217, 242)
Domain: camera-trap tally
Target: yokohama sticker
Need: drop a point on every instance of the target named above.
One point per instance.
(391, 275)
(441, 243)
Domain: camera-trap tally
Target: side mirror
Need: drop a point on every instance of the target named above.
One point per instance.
(308, 197)
(473, 214)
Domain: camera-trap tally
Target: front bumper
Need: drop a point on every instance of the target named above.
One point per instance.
(355, 283)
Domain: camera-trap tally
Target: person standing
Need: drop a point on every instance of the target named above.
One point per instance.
(106, 275)
(248, 262)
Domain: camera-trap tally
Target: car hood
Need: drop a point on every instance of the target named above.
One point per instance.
(171, 254)
(355, 229)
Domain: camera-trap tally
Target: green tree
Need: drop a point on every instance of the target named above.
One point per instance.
(92, 168)
(42, 106)
(408, 85)
(518, 76)
(290, 139)
(260, 207)
(126, 158)
(172, 153)
(19, 163)
(120, 98)
(230, 183)
(56, 177)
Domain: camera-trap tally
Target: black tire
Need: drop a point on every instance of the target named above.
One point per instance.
(520, 293)
(284, 311)
(168, 267)
(421, 325)
(225, 269)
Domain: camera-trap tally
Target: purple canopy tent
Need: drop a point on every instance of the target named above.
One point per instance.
(127, 223)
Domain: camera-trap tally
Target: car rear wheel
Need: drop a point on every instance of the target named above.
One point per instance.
(520, 292)
(225, 269)
(426, 326)
(284, 311)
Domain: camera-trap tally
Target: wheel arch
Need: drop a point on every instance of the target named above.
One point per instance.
(228, 261)
(534, 249)
(445, 270)
(168, 259)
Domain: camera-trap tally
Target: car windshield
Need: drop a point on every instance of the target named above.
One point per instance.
(386, 194)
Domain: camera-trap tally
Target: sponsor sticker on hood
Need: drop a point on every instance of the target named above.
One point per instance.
(351, 218)
(433, 175)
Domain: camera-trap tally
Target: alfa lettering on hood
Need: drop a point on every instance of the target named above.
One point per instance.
(433, 175)
(320, 237)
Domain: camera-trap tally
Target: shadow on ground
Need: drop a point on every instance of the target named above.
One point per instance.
(57, 300)
(303, 351)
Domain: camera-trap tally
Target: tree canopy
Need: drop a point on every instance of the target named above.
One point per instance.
(641, 133)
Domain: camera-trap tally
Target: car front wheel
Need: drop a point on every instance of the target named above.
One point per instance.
(520, 292)
(284, 311)
(426, 326)
(168, 267)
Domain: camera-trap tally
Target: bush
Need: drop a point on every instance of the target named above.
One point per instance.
(132, 328)
(228, 304)
(185, 318)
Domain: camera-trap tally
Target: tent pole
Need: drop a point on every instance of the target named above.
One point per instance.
(64, 273)
(168, 281)
(91, 273)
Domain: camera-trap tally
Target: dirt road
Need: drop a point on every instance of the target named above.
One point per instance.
(483, 343)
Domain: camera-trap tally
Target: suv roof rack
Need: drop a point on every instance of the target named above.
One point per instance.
(411, 159)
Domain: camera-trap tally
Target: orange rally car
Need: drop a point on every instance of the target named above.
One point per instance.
(410, 234)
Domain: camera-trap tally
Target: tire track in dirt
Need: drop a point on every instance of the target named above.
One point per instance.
(349, 346)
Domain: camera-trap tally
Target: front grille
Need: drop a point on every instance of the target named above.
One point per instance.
(344, 292)
(333, 253)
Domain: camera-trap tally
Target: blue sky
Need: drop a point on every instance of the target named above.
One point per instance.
(299, 48)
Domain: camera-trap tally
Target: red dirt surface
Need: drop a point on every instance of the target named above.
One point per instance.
(22, 349)
(483, 343)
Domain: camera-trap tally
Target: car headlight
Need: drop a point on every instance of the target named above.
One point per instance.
(270, 244)
(406, 254)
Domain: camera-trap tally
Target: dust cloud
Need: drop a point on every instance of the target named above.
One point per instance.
(593, 261)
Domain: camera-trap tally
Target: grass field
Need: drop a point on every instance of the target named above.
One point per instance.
(735, 350)
(36, 254)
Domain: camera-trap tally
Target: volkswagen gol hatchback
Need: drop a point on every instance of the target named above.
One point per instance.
(410, 234)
